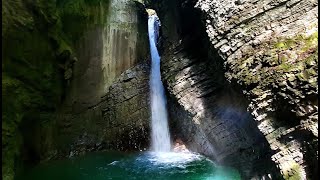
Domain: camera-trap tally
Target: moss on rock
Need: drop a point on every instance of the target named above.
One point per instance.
(280, 78)
(274, 62)
(36, 35)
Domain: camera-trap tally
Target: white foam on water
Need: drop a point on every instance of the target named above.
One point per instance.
(113, 163)
(174, 158)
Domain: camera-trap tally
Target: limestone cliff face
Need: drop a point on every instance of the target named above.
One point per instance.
(75, 79)
(268, 48)
(119, 122)
(105, 51)
(105, 104)
(206, 112)
(210, 116)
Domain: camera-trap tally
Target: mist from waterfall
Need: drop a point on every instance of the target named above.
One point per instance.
(159, 116)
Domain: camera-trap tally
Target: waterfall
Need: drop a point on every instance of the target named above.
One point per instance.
(159, 117)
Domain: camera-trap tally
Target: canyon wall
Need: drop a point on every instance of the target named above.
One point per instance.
(267, 50)
(75, 79)
(270, 48)
(105, 52)
(119, 122)
(206, 111)
(32, 82)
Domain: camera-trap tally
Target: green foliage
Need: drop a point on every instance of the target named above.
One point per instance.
(294, 173)
(280, 45)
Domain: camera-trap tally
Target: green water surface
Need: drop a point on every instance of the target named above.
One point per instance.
(139, 166)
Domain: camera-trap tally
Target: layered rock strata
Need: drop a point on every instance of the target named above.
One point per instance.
(119, 122)
(270, 48)
(206, 112)
(211, 118)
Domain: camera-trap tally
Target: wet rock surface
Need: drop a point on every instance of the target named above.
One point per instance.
(112, 46)
(106, 105)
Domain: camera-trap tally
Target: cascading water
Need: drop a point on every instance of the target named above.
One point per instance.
(159, 118)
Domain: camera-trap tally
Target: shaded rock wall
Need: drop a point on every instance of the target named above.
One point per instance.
(270, 48)
(119, 122)
(61, 58)
(95, 93)
(32, 83)
(211, 117)
(206, 112)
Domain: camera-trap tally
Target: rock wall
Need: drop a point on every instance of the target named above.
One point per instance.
(106, 50)
(268, 48)
(119, 122)
(210, 116)
(98, 94)
(206, 111)
(105, 103)
(32, 83)
(68, 68)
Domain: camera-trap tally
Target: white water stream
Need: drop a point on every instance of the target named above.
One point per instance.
(159, 116)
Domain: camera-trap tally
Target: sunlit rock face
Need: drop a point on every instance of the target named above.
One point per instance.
(268, 48)
(106, 104)
(105, 51)
(76, 79)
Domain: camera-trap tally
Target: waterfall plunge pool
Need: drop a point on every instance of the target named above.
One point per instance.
(139, 166)
(162, 164)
